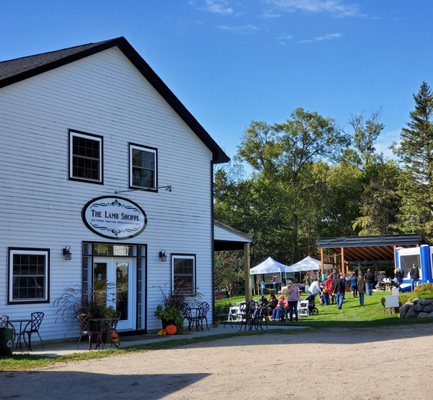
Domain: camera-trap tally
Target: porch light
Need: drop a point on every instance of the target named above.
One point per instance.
(67, 253)
(163, 256)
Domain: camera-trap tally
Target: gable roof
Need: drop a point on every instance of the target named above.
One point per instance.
(13, 71)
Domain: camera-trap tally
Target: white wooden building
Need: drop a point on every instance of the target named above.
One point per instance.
(103, 171)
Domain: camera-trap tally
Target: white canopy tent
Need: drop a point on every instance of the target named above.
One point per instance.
(269, 266)
(307, 264)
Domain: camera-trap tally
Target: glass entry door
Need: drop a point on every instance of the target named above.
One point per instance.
(114, 283)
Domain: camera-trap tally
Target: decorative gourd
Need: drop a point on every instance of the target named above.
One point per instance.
(171, 329)
(114, 337)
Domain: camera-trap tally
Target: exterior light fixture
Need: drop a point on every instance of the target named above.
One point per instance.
(163, 256)
(67, 253)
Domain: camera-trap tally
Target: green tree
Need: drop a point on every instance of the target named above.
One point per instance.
(281, 157)
(416, 155)
(380, 201)
(366, 130)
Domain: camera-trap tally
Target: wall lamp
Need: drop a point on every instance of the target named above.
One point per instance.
(67, 252)
(163, 256)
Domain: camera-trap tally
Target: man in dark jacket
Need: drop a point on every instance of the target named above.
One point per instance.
(369, 282)
(414, 276)
(339, 287)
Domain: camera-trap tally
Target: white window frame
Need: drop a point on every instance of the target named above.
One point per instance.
(152, 150)
(37, 252)
(194, 272)
(89, 136)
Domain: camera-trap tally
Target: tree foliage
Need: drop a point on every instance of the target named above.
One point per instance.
(308, 179)
(416, 155)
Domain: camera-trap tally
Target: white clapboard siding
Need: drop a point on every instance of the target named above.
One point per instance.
(105, 95)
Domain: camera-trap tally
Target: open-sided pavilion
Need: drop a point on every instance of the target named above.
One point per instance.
(339, 251)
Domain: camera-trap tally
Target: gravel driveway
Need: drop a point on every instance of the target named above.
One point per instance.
(378, 363)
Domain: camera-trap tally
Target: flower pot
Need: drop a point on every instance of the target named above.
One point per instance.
(166, 322)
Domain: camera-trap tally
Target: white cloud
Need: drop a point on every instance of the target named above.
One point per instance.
(328, 36)
(268, 14)
(337, 8)
(241, 30)
(283, 39)
(218, 7)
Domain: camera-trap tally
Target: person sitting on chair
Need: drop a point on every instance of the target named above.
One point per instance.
(280, 310)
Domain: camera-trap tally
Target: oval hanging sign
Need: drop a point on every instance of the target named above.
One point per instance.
(114, 217)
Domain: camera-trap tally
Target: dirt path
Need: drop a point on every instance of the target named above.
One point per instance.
(376, 364)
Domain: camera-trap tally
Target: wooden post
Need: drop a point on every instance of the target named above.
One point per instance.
(322, 261)
(247, 271)
(342, 260)
(395, 261)
(335, 260)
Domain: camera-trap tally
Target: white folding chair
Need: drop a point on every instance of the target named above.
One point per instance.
(303, 308)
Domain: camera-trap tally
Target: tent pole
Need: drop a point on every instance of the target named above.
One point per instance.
(247, 271)
(322, 261)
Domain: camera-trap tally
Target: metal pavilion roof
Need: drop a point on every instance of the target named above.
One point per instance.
(370, 248)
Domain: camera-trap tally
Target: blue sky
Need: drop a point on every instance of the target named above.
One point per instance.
(234, 61)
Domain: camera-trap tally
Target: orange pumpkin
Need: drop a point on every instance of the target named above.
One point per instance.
(171, 329)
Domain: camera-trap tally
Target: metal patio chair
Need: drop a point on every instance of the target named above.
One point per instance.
(89, 330)
(203, 309)
(33, 327)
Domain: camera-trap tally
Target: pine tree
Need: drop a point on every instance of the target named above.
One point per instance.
(416, 156)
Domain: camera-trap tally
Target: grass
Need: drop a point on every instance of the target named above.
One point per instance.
(351, 316)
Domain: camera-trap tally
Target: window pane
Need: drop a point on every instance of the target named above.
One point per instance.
(183, 275)
(28, 276)
(100, 283)
(86, 153)
(143, 168)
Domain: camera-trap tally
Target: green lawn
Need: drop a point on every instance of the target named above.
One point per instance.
(351, 315)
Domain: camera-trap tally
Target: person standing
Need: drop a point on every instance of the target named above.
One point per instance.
(369, 282)
(361, 289)
(328, 286)
(398, 276)
(229, 290)
(414, 276)
(313, 276)
(263, 287)
(293, 297)
(339, 288)
(354, 285)
(275, 284)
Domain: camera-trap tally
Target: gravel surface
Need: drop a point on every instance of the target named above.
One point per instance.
(374, 364)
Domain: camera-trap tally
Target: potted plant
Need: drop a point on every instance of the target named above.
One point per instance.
(170, 316)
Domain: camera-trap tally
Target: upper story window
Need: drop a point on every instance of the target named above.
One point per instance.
(143, 167)
(85, 157)
(28, 275)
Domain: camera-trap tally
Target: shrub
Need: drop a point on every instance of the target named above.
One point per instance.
(404, 297)
(221, 310)
(424, 291)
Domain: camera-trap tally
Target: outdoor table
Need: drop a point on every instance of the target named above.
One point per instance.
(104, 328)
(20, 333)
(195, 317)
